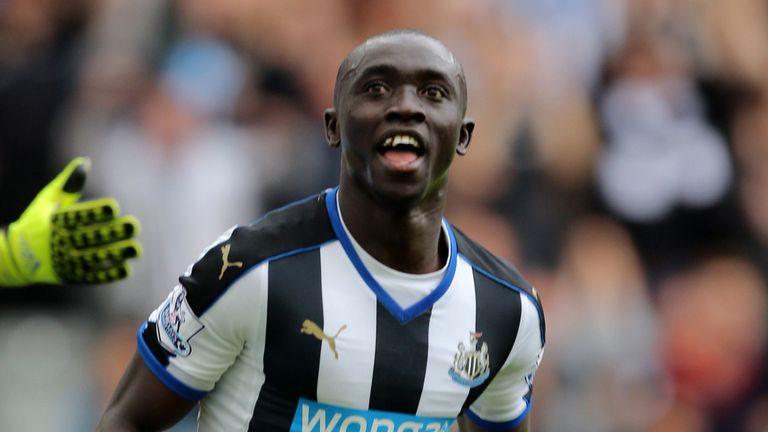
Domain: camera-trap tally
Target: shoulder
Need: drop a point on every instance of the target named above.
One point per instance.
(301, 224)
(489, 264)
(298, 226)
(497, 271)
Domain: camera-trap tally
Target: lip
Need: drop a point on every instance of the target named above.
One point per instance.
(400, 167)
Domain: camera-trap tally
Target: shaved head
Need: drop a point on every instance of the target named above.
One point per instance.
(351, 62)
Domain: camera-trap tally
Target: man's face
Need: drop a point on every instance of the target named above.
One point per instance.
(400, 118)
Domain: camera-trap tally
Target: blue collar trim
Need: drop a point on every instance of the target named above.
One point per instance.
(402, 315)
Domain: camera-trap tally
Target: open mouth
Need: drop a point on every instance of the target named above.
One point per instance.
(401, 150)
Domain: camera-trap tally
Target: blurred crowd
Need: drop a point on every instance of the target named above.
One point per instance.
(620, 161)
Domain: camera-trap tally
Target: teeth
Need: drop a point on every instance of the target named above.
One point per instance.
(401, 140)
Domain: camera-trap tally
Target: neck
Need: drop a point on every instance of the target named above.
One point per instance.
(406, 238)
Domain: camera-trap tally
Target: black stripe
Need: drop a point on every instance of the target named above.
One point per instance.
(291, 358)
(400, 363)
(497, 317)
(300, 225)
(482, 259)
(151, 339)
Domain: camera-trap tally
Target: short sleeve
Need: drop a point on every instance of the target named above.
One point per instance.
(507, 399)
(196, 334)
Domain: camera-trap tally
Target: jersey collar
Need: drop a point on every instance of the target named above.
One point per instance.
(402, 315)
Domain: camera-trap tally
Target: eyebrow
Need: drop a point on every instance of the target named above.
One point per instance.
(427, 74)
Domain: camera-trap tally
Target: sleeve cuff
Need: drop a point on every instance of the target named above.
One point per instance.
(499, 426)
(163, 375)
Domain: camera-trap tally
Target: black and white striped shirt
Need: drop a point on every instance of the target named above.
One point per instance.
(280, 326)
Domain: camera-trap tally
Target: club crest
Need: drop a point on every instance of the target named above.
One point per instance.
(471, 366)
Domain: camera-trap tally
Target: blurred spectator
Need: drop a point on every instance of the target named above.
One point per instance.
(492, 230)
(46, 368)
(184, 169)
(729, 39)
(602, 372)
(40, 57)
(750, 139)
(39, 61)
(715, 321)
(661, 152)
(288, 34)
(576, 36)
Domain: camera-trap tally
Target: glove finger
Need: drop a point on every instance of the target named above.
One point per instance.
(75, 264)
(67, 186)
(113, 231)
(119, 270)
(114, 273)
(86, 213)
(105, 255)
(54, 194)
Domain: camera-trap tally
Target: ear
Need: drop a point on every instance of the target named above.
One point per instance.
(332, 133)
(465, 136)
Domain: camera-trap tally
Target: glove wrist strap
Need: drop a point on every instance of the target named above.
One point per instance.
(10, 275)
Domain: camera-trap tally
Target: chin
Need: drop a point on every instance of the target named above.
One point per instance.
(401, 195)
(398, 194)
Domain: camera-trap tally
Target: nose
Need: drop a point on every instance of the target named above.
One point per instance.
(406, 106)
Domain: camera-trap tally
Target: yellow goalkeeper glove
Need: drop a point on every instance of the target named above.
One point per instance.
(59, 240)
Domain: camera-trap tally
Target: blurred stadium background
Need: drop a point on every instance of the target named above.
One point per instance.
(620, 160)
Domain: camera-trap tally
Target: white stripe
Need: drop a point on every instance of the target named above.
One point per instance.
(347, 300)
(453, 318)
(229, 406)
(503, 399)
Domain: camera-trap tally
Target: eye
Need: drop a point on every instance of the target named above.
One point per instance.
(435, 92)
(376, 88)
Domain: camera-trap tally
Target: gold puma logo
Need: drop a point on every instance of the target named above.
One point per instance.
(310, 328)
(225, 258)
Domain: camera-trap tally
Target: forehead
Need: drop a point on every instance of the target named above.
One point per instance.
(405, 54)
